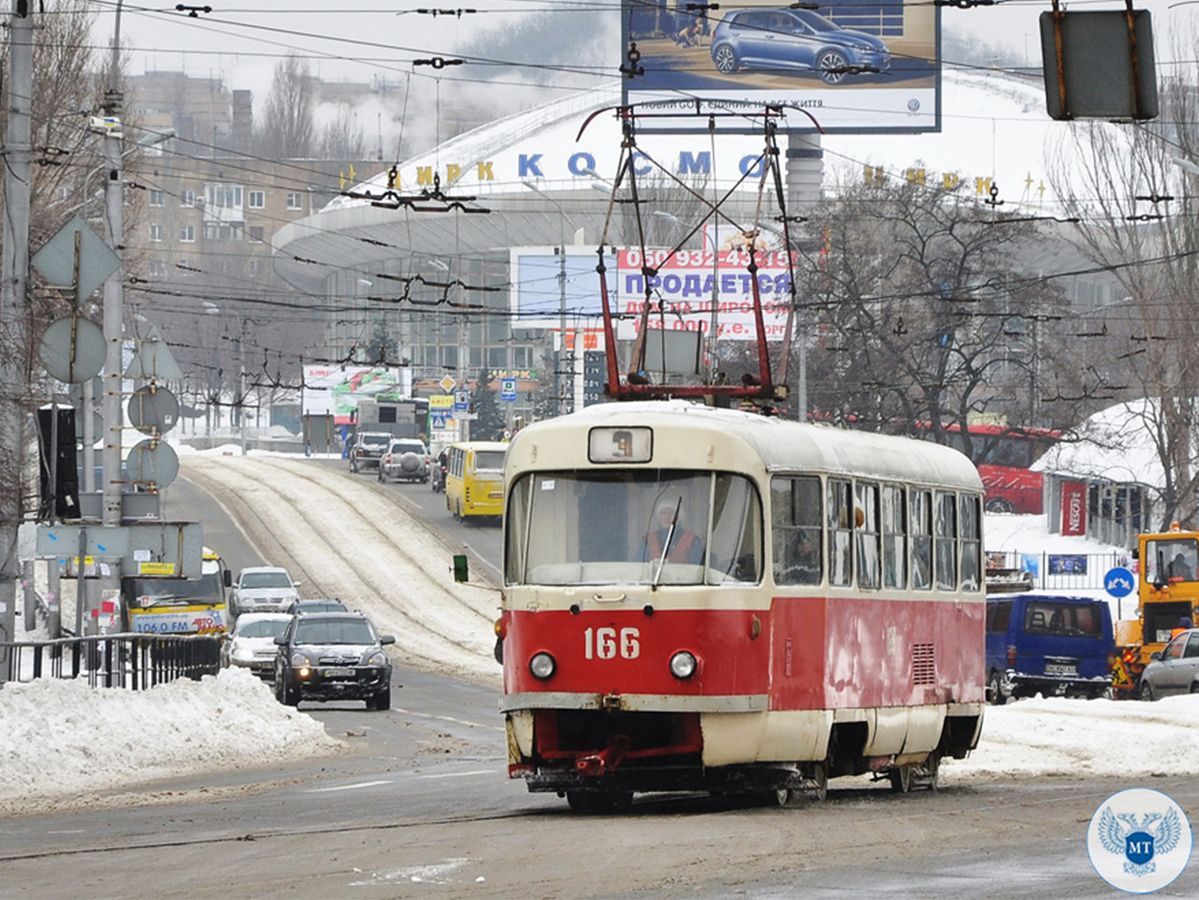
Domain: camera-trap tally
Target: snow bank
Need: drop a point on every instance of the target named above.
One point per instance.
(60, 737)
(1085, 737)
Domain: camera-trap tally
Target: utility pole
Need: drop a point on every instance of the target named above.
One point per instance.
(241, 382)
(560, 369)
(114, 216)
(14, 292)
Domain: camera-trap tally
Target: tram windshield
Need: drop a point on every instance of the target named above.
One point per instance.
(620, 526)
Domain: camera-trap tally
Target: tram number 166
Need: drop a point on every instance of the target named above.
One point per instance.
(607, 643)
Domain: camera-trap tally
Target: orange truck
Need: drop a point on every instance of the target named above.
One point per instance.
(1167, 591)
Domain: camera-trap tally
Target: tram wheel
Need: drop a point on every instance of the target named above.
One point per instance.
(901, 779)
(820, 782)
(928, 773)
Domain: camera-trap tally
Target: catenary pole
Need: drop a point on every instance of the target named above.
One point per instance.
(114, 190)
(14, 275)
(111, 407)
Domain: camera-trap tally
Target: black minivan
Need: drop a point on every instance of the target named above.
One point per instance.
(1048, 644)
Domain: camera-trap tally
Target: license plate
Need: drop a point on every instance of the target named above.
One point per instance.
(338, 673)
(1060, 669)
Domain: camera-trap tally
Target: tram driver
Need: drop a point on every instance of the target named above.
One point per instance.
(685, 545)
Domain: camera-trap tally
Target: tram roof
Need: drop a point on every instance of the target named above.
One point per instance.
(783, 444)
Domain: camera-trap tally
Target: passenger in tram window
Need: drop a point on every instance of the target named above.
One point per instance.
(685, 545)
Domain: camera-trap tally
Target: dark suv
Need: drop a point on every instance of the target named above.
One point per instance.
(794, 40)
(333, 656)
(367, 449)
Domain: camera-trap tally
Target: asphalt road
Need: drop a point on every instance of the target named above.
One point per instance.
(417, 803)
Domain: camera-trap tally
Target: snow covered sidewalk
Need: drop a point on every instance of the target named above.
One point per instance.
(62, 738)
(1084, 737)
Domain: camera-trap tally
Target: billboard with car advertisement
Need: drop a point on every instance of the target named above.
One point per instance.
(336, 390)
(846, 65)
(685, 283)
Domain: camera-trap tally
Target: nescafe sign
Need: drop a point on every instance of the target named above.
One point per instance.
(1074, 508)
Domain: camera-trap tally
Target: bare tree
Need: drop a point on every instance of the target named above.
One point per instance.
(288, 130)
(1115, 180)
(921, 305)
(342, 138)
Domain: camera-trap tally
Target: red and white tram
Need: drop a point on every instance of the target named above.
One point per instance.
(704, 599)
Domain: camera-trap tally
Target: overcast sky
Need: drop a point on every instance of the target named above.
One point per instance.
(223, 41)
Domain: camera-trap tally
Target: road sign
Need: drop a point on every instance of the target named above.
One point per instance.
(152, 462)
(56, 259)
(153, 361)
(153, 410)
(448, 383)
(73, 350)
(440, 420)
(508, 389)
(461, 401)
(1119, 582)
(179, 543)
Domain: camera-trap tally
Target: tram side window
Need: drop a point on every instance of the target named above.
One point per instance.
(922, 540)
(736, 546)
(840, 532)
(970, 531)
(867, 530)
(945, 552)
(895, 538)
(797, 533)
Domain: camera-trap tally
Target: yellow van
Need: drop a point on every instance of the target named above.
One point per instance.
(474, 480)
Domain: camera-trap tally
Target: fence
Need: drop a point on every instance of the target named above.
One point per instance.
(135, 661)
(1060, 571)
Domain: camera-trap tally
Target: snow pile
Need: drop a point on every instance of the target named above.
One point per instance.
(61, 737)
(1085, 737)
(1116, 443)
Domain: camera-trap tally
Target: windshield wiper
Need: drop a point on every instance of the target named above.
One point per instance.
(674, 522)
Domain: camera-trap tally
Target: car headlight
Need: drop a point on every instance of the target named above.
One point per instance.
(542, 665)
(242, 654)
(378, 658)
(682, 664)
(300, 659)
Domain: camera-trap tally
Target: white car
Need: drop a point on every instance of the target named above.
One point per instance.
(264, 589)
(251, 643)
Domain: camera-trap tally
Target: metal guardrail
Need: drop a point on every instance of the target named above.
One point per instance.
(134, 661)
(1059, 571)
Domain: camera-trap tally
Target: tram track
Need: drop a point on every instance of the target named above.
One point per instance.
(422, 644)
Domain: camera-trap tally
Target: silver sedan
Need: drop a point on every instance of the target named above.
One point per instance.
(1175, 670)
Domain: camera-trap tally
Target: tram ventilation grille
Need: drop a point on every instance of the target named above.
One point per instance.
(924, 664)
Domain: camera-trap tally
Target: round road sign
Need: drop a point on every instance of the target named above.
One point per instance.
(72, 349)
(152, 462)
(153, 410)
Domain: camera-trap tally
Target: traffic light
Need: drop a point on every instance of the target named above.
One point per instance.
(62, 456)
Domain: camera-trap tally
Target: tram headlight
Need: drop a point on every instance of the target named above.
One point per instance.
(542, 665)
(682, 664)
